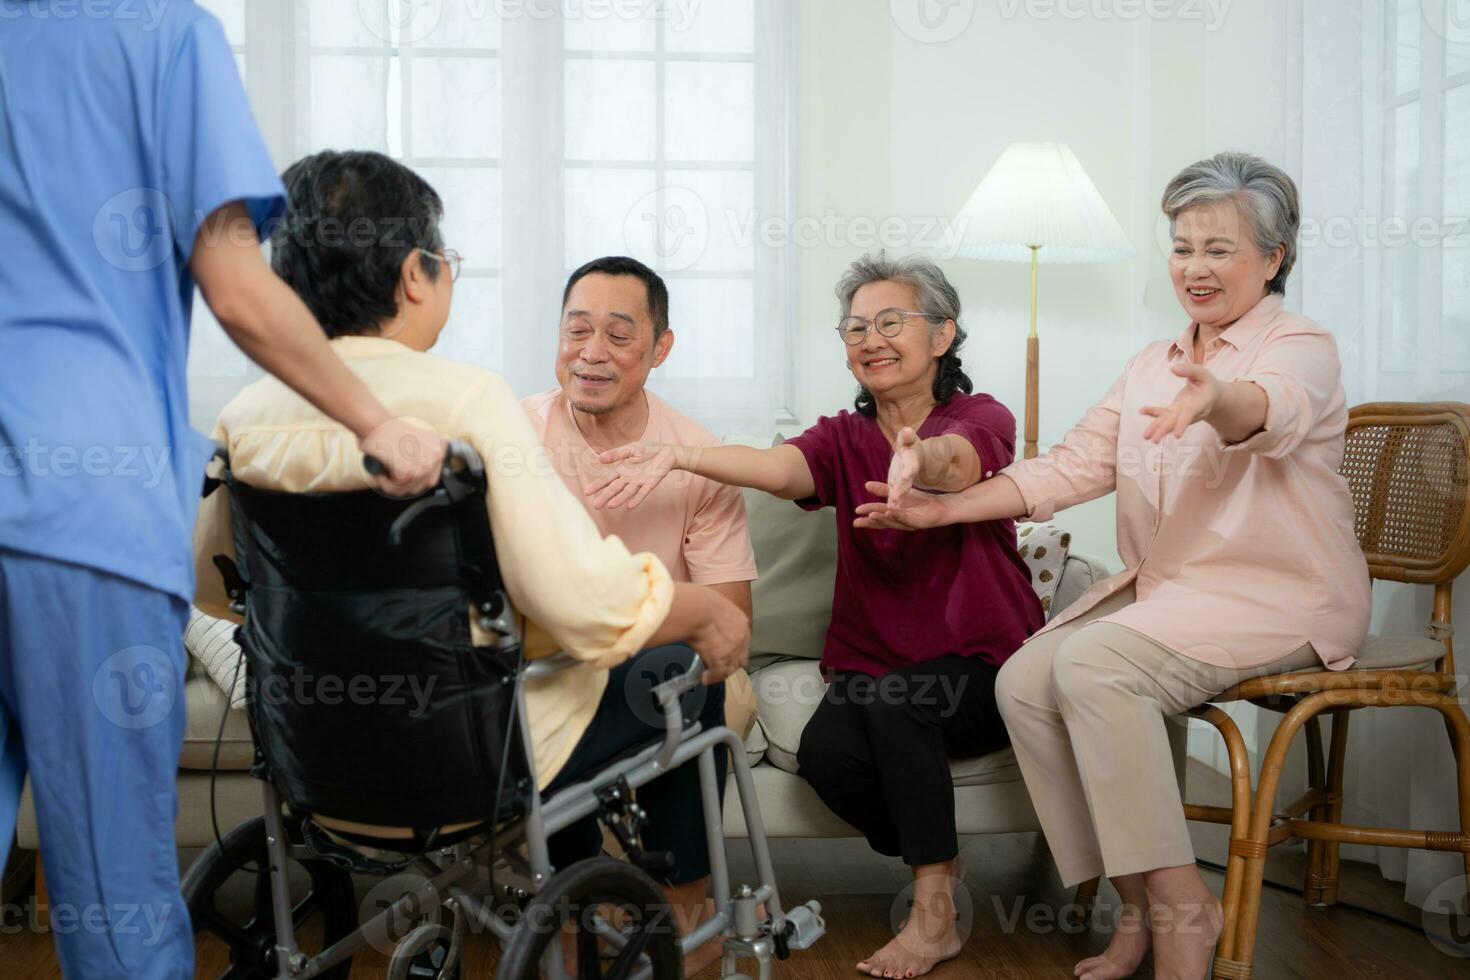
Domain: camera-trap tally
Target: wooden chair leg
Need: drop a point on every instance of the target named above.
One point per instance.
(1336, 768)
(1459, 729)
(1252, 847)
(1316, 850)
(1240, 809)
(1084, 901)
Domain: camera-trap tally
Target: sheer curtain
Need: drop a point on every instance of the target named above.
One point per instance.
(1384, 162)
(557, 131)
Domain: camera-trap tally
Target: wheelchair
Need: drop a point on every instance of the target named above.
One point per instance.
(357, 584)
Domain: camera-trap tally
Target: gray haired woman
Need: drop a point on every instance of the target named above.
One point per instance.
(913, 615)
(1237, 534)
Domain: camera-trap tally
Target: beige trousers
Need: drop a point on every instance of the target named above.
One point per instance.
(1087, 705)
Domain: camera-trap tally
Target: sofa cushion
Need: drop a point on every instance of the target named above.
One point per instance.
(789, 694)
(204, 704)
(796, 554)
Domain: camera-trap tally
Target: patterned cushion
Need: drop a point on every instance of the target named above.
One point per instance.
(1044, 549)
(211, 641)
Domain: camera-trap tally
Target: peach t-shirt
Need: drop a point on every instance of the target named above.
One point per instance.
(695, 526)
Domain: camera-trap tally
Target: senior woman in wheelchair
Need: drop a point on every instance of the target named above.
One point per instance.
(1237, 532)
(382, 291)
(939, 611)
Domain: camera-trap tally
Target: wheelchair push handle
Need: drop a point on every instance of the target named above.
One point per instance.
(666, 697)
(459, 457)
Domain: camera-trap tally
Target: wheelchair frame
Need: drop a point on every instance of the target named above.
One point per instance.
(447, 869)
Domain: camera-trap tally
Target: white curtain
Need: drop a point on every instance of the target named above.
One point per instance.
(1383, 155)
(557, 131)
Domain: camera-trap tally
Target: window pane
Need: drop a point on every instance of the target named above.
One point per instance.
(607, 214)
(718, 209)
(348, 94)
(714, 323)
(231, 14)
(474, 331)
(1407, 18)
(709, 111)
(727, 26)
(471, 212)
(1401, 260)
(462, 24)
(349, 23)
(456, 107)
(595, 25)
(610, 110)
(1455, 335)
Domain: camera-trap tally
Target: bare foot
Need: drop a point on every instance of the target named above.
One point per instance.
(1130, 944)
(926, 939)
(1184, 939)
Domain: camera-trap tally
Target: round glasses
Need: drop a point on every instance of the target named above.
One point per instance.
(854, 329)
(449, 257)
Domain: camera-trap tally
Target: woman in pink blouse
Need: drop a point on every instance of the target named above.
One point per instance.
(1237, 533)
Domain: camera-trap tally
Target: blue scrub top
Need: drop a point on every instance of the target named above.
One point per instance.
(123, 125)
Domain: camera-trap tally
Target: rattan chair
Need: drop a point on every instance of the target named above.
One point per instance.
(1408, 466)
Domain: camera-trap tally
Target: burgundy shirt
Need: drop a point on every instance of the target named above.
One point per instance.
(903, 597)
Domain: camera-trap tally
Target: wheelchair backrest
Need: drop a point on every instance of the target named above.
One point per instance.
(367, 698)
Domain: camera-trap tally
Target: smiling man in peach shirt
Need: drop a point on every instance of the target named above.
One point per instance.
(614, 331)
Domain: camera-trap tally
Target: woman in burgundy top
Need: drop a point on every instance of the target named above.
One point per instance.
(921, 623)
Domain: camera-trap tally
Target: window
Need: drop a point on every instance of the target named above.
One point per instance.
(558, 131)
(1425, 110)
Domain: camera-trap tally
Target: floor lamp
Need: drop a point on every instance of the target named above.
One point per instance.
(1038, 205)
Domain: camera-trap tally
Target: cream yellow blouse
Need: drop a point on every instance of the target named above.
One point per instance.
(579, 592)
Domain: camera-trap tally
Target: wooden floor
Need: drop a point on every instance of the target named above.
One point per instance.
(1014, 899)
(1010, 884)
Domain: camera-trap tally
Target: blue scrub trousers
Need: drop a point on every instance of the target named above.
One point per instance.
(92, 707)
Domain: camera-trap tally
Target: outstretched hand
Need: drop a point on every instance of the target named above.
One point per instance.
(1194, 403)
(915, 511)
(904, 469)
(636, 472)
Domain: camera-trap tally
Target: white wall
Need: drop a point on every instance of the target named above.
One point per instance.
(897, 126)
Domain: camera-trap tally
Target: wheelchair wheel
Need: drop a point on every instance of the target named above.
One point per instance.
(569, 899)
(248, 928)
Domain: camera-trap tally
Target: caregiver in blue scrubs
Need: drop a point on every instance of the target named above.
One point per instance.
(130, 170)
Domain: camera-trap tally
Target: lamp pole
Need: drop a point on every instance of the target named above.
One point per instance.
(1033, 366)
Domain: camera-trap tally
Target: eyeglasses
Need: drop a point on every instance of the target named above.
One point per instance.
(450, 258)
(854, 329)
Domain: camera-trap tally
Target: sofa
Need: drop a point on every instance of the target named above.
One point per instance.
(796, 552)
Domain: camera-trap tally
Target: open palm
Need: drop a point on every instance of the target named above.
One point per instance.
(1194, 403)
(915, 511)
(636, 472)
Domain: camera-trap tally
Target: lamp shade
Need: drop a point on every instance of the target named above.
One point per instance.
(1038, 194)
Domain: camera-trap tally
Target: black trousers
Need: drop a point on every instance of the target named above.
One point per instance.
(627, 721)
(877, 751)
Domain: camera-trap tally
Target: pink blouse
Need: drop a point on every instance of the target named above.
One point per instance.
(1241, 553)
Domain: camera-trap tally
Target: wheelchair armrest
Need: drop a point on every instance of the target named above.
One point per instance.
(546, 666)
